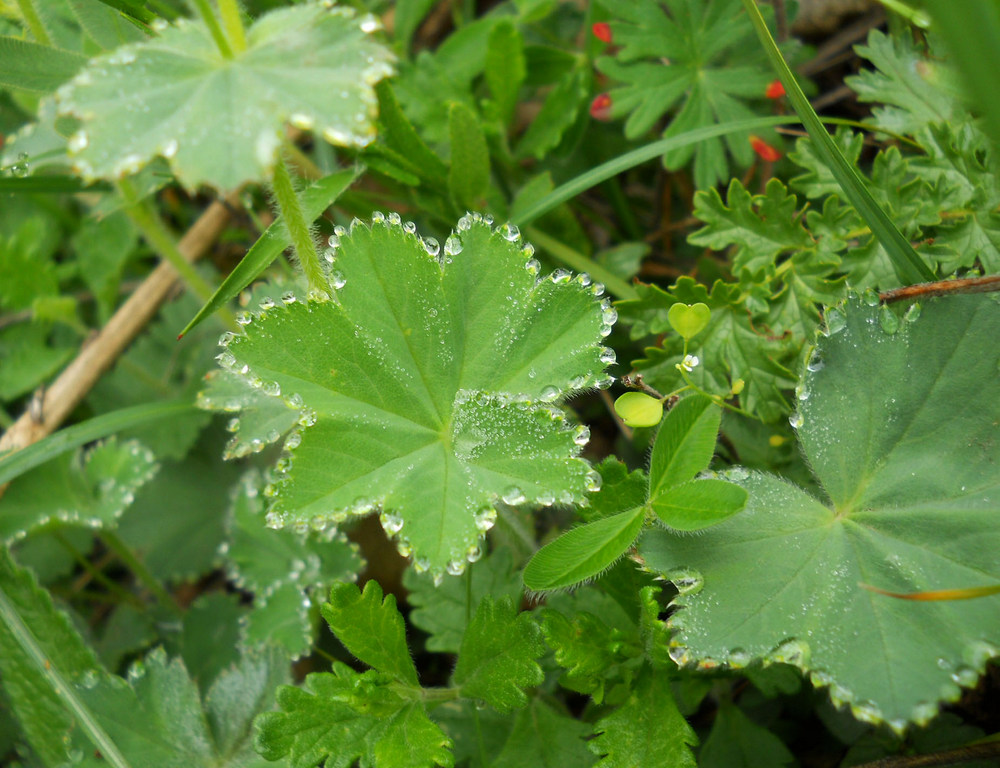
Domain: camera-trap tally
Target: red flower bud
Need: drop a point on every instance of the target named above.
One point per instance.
(602, 31)
(764, 150)
(600, 107)
(774, 90)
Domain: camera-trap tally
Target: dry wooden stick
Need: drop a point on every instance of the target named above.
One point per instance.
(50, 408)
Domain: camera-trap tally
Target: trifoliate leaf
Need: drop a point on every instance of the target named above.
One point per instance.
(498, 657)
(343, 716)
(544, 737)
(647, 729)
(429, 385)
(899, 427)
(440, 610)
(371, 628)
(88, 487)
(157, 717)
(179, 97)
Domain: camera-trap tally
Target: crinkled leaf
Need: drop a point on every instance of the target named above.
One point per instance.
(620, 490)
(262, 420)
(429, 384)
(440, 611)
(259, 558)
(217, 120)
(45, 720)
(736, 741)
(91, 488)
(498, 657)
(647, 729)
(583, 552)
(543, 737)
(587, 647)
(343, 716)
(899, 430)
(371, 628)
(157, 717)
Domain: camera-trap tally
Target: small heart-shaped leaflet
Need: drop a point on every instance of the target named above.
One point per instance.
(689, 319)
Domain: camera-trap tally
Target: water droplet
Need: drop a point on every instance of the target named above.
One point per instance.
(738, 658)
(90, 679)
(488, 219)
(801, 392)
(226, 360)
(608, 356)
(604, 382)
(271, 388)
(464, 223)
(870, 297)
(395, 219)
(244, 318)
(513, 496)
(421, 565)
(78, 142)
(792, 652)
(369, 23)
(294, 400)
(581, 435)
(404, 547)
(137, 671)
(593, 481)
(378, 217)
(340, 230)
(835, 321)
(796, 420)
(913, 313)
(307, 419)
(597, 289)
(924, 712)
(432, 246)
(737, 474)
(610, 315)
(510, 232)
(583, 279)
(21, 166)
(560, 276)
(888, 319)
(333, 241)
(410, 227)
(678, 654)
(318, 295)
(533, 266)
(549, 394)
(233, 425)
(337, 279)
(226, 338)
(474, 553)
(289, 297)
(687, 582)
(815, 363)
(605, 330)
(456, 567)
(546, 498)
(452, 246)
(485, 519)
(391, 523)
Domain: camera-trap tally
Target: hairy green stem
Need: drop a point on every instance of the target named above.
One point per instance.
(233, 24)
(155, 232)
(298, 227)
(34, 22)
(29, 644)
(581, 263)
(204, 9)
(124, 552)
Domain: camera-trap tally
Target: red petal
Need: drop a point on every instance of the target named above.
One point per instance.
(764, 150)
(602, 31)
(774, 90)
(600, 107)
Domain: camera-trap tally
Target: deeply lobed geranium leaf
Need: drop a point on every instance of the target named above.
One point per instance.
(217, 120)
(429, 386)
(899, 426)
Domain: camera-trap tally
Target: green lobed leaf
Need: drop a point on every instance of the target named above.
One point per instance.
(620, 490)
(897, 425)
(685, 443)
(41, 710)
(505, 67)
(498, 657)
(584, 552)
(647, 729)
(371, 628)
(736, 741)
(343, 716)
(157, 717)
(178, 97)
(545, 737)
(429, 386)
(90, 488)
(587, 647)
(441, 610)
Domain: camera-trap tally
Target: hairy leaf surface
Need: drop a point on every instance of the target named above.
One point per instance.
(900, 429)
